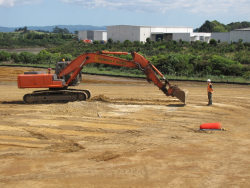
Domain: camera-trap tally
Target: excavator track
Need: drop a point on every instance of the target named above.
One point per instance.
(56, 96)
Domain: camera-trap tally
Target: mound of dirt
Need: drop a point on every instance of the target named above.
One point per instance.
(100, 98)
(107, 155)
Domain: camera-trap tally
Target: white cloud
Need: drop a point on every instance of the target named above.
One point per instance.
(194, 6)
(155, 6)
(11, 3)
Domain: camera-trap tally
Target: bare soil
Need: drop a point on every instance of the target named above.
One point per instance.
(129, 134)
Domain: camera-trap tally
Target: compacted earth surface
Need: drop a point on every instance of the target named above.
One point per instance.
(129, 134)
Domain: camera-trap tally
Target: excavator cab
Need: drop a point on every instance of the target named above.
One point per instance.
(60, 66)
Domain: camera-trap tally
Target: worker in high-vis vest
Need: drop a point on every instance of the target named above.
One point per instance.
(209, 92)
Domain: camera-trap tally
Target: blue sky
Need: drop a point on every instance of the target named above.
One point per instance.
(191, 13)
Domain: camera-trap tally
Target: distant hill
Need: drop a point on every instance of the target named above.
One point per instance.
(7, 29)
(71, 28)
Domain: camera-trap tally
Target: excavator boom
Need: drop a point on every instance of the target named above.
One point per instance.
(70, 72)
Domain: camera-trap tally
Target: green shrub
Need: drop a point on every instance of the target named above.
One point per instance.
(101, 69)
(15, 57)
(96, 42)
(5, 56)
(27, 57)
(209, 69)
(110, 41)
(235, 69)
(225, 66)
(247, 75)
(217, 72)
(240, 46)
(204, 44)
(43, 57)
(246, 44)
(67, 57)
(213, 42)
(136, 72)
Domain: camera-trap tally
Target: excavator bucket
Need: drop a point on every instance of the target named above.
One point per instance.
(182, 95)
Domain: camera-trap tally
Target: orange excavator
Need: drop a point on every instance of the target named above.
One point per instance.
(69, 74)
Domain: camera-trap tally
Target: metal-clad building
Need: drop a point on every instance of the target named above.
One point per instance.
(182, 36)
(243, 34)
(141, 33)
(92, 35)
(223, 37)
(124, 32)
(233, 36)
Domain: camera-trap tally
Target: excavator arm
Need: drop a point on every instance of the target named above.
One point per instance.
(102, 57)
(69, 74)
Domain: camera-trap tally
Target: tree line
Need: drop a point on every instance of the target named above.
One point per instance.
(55, 30)
(170, 57)
(43, 57)
(215, 26)
(34, 39)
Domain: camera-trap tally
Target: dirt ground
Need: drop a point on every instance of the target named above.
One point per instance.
(128, 135)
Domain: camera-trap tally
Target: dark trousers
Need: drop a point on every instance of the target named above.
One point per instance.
(210, 98)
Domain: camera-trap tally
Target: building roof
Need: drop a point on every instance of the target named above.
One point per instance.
(153, 26)
(96, 30)
(243, 29)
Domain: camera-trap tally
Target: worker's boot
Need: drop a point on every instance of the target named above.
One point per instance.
(210, 102)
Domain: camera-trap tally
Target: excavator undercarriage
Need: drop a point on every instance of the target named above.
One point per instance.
(56, 96)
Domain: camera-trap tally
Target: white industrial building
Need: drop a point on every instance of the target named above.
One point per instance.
(238, 34)
(92, 35)
(203, 37)
(141, 33)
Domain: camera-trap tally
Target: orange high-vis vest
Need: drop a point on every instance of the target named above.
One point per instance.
(209, 89)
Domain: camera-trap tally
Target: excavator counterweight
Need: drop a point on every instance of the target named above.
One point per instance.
(69, 74)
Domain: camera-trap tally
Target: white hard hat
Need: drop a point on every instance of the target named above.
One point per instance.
(208, 80)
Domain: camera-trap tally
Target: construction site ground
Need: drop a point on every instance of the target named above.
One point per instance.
(129, 134)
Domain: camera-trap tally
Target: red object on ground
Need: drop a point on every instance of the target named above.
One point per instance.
(87, 41)
(210, 126)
